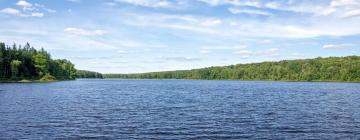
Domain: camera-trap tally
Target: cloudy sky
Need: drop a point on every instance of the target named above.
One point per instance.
(131, 36)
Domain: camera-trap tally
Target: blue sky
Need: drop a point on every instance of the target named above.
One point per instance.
(133, 36)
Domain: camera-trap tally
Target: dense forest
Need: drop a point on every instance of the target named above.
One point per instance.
(88, 74)
(26, 63)
(345, 69)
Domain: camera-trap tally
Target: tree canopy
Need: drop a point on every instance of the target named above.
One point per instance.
(345, 69)
(17, 63)
(88, 74)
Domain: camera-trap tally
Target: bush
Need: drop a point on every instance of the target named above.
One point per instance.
(47, 78)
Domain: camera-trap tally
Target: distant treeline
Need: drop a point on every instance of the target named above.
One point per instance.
(345, 69)
(25, 62)
(88, 74)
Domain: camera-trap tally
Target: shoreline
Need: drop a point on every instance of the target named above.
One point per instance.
(231, 80)
(51, 81)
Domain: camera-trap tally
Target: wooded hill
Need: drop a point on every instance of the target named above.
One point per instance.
(346, 69)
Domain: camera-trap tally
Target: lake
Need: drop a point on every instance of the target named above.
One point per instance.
(179, 109)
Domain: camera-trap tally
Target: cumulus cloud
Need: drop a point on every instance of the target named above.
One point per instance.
(28, 10)
(338, 46)
(83, 32)
(11, 11)
(24, 4)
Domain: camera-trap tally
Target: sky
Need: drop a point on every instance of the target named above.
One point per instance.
(136, 36)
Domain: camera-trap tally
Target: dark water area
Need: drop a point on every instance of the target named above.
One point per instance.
(179, 109)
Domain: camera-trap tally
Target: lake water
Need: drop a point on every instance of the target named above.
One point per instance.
(179, 109)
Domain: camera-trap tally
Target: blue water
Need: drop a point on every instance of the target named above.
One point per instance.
(179, 109)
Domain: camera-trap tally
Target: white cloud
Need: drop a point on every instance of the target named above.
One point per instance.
(252, 3)
(244, 52)
(232, 27)
(24, 4)
(338, 46)
(37, 14)
(350, 14)
(247, 11)
(272, 52)
(336, 8)
(211, 22)
(148, 3)
(11, 11)
(180, 58)
(28, 10)
(83, 32)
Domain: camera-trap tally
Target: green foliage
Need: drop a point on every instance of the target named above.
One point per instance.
(41, 63)
(47, 78)
(88, 74)
(15, 65)
(345, 69)
(26, 62)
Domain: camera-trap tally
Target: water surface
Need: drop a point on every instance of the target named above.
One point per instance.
(179, 109)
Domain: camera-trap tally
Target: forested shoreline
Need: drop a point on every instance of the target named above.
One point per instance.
(337, 69)
(26, 64)
(88, 74)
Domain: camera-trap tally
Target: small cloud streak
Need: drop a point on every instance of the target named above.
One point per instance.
(180, 58)
(338, 46)
(272, 52)
(249, 12)
(83, 32)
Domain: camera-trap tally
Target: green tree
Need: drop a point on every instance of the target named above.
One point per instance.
(15, 64)
(41, 64)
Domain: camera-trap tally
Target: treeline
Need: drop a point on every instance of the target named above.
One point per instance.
(318, 69)
(88, 74)
(25, 62)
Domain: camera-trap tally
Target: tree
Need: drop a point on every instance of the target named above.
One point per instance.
(28, 63)
(41, 64)
(318, 69)
(15, 64)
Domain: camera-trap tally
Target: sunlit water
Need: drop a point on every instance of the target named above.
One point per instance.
(179, 109)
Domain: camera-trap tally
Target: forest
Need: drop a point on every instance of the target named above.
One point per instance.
(22, 63)
(25, 63)
(341, 69)
(88, 74)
